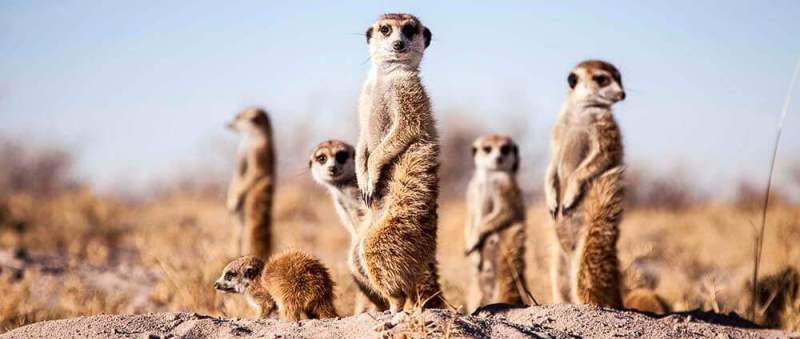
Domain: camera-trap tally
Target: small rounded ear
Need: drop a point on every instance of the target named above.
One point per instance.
(428, 35)
(572, 79)
(474, 150)
(369, 34)
(250, 272)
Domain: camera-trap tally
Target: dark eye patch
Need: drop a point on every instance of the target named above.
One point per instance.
(572, 80)
(342, 156)
(409, 30)
(505, 149)
(601, 80)
(487, 149)
(385, 30)
(321, 158)
(229, 275)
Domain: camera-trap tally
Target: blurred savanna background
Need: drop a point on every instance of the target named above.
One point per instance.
(114, 158)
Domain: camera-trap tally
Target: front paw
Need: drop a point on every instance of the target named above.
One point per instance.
(552, 207)
(570, 198)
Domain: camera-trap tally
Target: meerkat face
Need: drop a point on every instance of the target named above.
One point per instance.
(495, 152)
(595, 82)
(332, 162)
(251, 120)
(239, 274)
(398, 38)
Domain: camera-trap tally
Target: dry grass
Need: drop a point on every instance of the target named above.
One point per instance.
(170, 248)
(694, 257)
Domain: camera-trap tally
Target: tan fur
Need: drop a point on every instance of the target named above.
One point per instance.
(332, 166)
(251, 189)
(295, 283)
(583, 189)
(495, 228)
(645, 300)
(397, 160)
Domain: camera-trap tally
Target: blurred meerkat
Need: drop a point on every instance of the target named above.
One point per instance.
(397, 167)
(583, 188)
(251, 188)
(777, 299)
(495, 229)
(645, 300)
(332, 166)
(293, 282)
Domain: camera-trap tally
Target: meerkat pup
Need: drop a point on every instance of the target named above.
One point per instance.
(250, 191)
(293, 282)
(397, 163)
(495, 229)
(332, 165)
(583, 188)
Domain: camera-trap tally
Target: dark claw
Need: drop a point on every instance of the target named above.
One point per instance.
(554, 213)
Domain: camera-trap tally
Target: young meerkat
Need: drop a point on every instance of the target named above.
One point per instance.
(583, 188)
(495, 229)
(251, 188)
(397, 163)
(332, 166)
(293, 282)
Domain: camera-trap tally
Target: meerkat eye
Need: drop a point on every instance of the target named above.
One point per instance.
(341, 157)
(409, 30)
(385, 30)
(505, 149)
(229, 275)
(601, 80)
(487, 149)
(321, 158)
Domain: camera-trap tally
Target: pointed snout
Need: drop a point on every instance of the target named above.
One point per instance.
(231, 125)
(217, 285)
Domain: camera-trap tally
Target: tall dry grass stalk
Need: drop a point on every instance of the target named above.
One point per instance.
(759, 241)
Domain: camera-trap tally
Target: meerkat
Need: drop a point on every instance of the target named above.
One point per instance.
(495, 229)
(293, 282)
(645, 300)
(397, 162)
(777, 299)
(583, 188)
(251, 189)
(332, 165)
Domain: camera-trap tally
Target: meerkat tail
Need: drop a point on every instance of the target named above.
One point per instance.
(598, 276)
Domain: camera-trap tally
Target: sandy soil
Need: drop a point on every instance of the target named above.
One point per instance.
(497, 321)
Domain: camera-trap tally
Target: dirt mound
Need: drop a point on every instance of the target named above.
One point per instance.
(554, 321)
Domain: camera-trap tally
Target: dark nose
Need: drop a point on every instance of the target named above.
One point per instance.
(332, 170)
(622, 96)
(217, 285)
(398, 45)
(499, 160)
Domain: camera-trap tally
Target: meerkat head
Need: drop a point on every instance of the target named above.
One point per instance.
(398, 39)
(332, 162)
(595, 83)
(251, 121)
(495, 152)
(239, 274)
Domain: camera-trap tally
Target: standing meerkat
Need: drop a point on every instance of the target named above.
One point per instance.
(583, 188)
(495, 229)
(293, 282)
(332, 165)
(250, 191)
(397, 163)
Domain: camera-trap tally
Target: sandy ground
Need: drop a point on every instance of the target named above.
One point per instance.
(496, 321)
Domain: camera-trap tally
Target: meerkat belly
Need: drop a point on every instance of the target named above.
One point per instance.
(573, 151)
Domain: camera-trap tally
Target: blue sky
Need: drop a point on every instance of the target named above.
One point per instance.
(138, 88)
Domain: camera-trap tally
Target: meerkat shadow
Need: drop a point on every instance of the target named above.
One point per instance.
(498, 308)
(731, 319)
